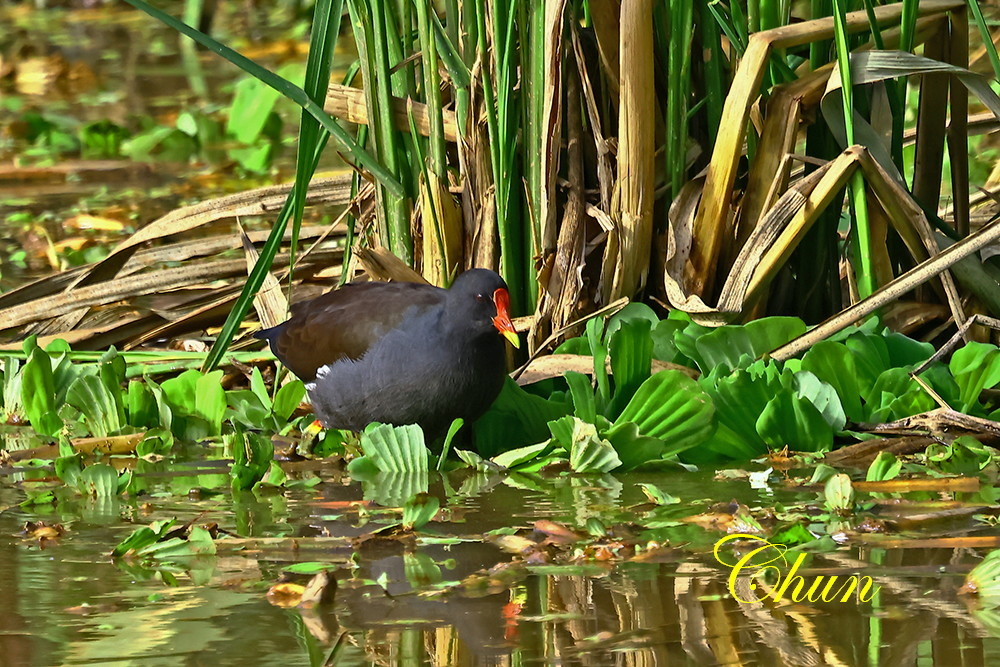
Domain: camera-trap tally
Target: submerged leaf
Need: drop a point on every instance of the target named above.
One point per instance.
(885, 466)
(252, 456)
(419, 509)
(839, 494)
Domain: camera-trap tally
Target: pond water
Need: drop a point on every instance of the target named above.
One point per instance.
(646, 592)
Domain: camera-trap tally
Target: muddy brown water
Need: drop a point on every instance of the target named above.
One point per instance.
(65, 601)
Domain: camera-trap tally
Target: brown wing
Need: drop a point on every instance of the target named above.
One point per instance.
(344, 323)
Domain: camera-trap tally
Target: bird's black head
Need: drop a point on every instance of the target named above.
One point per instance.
(480, 298)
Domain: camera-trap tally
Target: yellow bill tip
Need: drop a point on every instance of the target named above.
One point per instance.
(512, 337)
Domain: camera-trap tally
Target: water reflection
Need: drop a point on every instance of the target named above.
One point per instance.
(449, 598)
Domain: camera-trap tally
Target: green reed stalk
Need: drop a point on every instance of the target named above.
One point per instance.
(371, 38)
(432, 90)
(861, 229)
(984, 34)
(323, 43)
(534, 93)
(400, 40)
(715, 81)
(681, 15)
(461, 79)
(502, 121)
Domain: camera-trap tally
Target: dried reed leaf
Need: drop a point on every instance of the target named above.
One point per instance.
(126, 287)
(628, 248)
(563, 286)
(909, 317)
(679, 244)
(909, 542)
(85, 337)
(605, 20)
(878, 66)
(259, 201)
(269, 302)
(482, 246)
(887, 293)
(197, 318)
(605, 173)
(551, 120)
(442, 231)
(911, 224)
(557, 365)
(65, 322)
(382, 265)
(714, 211)
(767, 177)
(862, 454)
(348, 104)
(878, 221)
(948, 484)
(113, 444)
(827, 189)
(798, 34)
(174, 252)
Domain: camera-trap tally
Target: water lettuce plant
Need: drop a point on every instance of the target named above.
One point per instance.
(723, 399)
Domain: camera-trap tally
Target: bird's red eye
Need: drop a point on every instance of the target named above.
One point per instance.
(481, 298)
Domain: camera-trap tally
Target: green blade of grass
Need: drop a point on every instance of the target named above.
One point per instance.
(322, 44)
(984, 33)
(256, 277)
(503, 126)
(312, 141)
(861, 229)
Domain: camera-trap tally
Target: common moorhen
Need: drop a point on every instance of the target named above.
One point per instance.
(400, 353)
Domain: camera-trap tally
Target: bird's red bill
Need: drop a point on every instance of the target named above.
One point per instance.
(502, 321)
